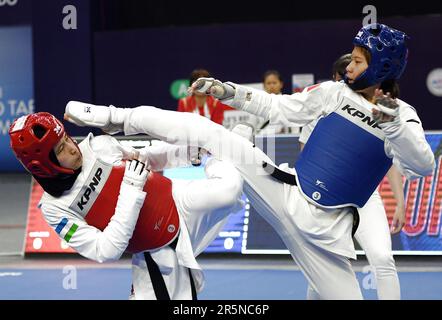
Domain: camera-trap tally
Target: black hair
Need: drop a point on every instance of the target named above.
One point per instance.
(198, 73)
(340, 65)
(270, 73)
(391, 86)
(59, 184)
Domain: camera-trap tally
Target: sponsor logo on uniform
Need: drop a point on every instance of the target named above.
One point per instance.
(91, 188)
(321, 184)
(158, 224)
(316, 195)
(171, 228)
(360, 116)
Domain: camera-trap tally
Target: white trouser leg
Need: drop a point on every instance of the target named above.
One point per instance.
(206, 204)
(329, 274)
(374, 237)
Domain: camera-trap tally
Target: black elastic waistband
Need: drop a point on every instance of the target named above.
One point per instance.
(279, 174)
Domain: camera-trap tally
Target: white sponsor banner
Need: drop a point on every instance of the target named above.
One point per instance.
(302, 80)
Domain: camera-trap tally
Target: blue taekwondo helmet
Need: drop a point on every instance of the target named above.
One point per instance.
(388, 52)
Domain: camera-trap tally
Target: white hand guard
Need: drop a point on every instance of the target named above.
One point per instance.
(85, 114)
(213, 87)
(135, 174)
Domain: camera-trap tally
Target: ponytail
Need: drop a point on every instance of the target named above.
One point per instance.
(391, 86)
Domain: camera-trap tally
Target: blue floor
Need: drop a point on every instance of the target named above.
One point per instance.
(113, 284)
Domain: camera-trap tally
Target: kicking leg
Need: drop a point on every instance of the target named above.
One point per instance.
(206, 204)
(330, 274)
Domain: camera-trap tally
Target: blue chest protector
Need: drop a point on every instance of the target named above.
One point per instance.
(344, 159)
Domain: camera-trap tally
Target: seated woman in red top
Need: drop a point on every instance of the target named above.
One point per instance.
(206, 106)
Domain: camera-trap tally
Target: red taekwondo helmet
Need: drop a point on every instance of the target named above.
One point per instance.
(34, 152)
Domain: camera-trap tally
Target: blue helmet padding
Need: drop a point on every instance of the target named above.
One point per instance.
(388, 52)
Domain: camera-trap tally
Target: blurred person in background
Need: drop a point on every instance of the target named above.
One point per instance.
(202, 104)
(273, 84)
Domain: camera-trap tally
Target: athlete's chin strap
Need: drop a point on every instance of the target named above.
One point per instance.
(58, 185)
(360, 83)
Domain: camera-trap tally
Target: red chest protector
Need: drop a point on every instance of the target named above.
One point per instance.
(158, 222)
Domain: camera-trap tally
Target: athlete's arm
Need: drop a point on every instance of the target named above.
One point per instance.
(405, 142)
(109, 244)
(295, 110)
(395, 180)
(405, 138)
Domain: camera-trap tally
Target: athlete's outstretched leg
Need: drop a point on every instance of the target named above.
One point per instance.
(267, 194)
